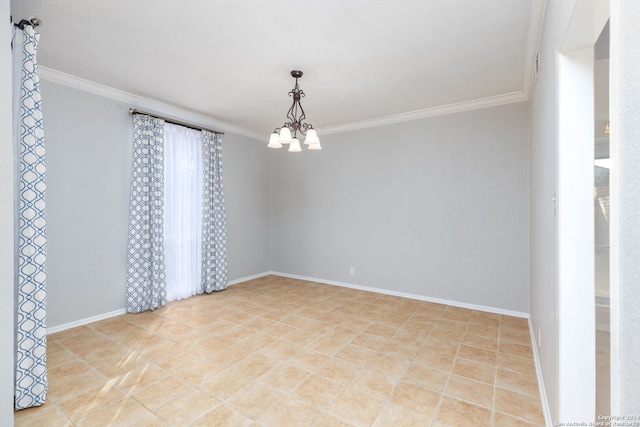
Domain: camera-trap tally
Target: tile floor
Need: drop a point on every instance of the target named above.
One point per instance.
(282, 352)
(603, 375)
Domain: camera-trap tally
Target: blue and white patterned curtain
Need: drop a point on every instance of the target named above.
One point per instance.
(146, 268)
(214, 225)
(31, 228)
(146, 281)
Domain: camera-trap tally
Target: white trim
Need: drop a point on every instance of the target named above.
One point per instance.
(543, 394)
(576, 314)
(85, 321)
(245, 279)
(179, 113)
(405, 295)
(151, 105)
(617, 85)
(490, 101)
(575, 237)
(103, 316)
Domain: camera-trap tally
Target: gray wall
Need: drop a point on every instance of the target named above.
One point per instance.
(406, 205)
(7, 320)
(543, 182)
(437, 207)
(624, 333)
(89, 141)
(88, 169)
(246, 191)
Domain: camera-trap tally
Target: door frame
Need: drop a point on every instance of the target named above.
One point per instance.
(576, 278)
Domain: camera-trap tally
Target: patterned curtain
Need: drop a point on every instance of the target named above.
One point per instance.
(31, 228)
(146, 281)
(214, 224)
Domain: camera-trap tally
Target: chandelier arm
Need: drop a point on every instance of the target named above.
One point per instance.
(302, 115)
(305, 127)
(292, 124)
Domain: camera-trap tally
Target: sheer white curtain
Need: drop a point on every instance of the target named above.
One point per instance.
(183, 211)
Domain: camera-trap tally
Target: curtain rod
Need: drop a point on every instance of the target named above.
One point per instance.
(34, 22)
(175, 122)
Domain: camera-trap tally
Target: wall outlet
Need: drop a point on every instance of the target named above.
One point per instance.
(539, 337)
(352, 271)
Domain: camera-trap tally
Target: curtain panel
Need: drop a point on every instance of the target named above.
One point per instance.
(183, 211)
(177, 223)
(31, 226)
(146, 281)
(214, 225)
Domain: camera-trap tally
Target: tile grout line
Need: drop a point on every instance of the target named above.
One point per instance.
(399, 343)
(389, 395)
(495, 379)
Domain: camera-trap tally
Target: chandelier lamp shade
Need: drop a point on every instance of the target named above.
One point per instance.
(288, 133)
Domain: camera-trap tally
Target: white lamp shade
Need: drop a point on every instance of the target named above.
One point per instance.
(274, 141)
(295, 146)
(285, 135)
(314, 146)
(312, 137)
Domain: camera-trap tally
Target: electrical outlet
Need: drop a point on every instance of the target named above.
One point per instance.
(352, 271)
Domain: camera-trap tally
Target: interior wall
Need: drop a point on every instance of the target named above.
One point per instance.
(88, 165)
(545, 303)
(437, 207)
(246, 191)
(625, 238)
(89, 145)
(7, 320)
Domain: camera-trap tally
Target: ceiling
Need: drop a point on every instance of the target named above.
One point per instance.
(365, 62)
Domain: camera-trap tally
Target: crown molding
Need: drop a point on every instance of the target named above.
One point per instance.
(136, 101)
(491, 101)
(179, 113)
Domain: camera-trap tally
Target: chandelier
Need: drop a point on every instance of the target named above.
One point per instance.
(288, 133)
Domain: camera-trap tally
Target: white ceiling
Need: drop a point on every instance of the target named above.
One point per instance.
(363, 60)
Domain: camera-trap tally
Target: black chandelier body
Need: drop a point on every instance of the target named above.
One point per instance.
(288, 133)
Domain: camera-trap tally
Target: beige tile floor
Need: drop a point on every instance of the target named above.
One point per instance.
(603, 376)
(282, 352)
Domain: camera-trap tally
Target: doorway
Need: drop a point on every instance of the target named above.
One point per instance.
(602, 215)
(576, 240)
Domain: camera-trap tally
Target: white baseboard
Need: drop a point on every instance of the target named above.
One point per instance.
(244, 279)
(543, 393)
(545, 404)
(406, 295)
(85, 321)
(98, 317)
